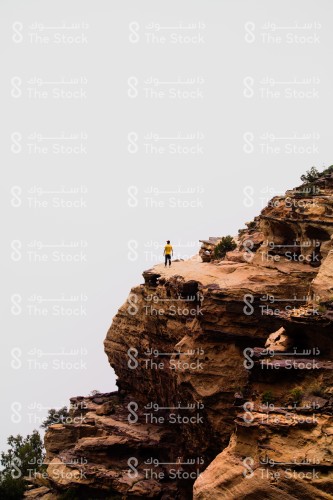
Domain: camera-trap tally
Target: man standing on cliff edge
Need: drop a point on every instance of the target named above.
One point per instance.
(168, 251)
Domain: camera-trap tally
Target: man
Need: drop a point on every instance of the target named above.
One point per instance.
(168, 251)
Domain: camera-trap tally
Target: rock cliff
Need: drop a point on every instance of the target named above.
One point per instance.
(225, 378)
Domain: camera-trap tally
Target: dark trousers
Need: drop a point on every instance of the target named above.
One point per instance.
(167, 258)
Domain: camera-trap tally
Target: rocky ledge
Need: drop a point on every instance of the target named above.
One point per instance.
(225, 378)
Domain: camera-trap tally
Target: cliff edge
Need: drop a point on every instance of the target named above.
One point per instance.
(225, 378)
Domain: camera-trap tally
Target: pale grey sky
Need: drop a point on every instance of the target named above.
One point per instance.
(125, 124)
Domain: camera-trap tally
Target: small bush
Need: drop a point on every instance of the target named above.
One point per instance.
(310, 175)
(296, 395)
(267, 398)
(94, 392)
(314, 174)
(225, 245)
(328, 170)
(56, 417)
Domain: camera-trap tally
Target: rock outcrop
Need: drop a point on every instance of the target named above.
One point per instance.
(225, 378)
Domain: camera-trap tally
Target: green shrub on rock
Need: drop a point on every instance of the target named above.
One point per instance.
(225, 245)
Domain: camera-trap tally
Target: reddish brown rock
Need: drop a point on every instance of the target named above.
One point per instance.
(195, 340)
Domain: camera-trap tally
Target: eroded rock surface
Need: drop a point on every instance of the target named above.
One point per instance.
(239, 352)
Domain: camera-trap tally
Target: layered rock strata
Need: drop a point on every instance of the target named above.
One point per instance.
(225, 378)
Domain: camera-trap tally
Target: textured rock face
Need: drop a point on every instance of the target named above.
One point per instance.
(265, 461)
(224, 373)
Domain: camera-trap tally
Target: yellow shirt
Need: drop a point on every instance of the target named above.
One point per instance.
(168, 249)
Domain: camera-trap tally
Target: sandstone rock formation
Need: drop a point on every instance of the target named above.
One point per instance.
(210, 404)
(278, 341)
